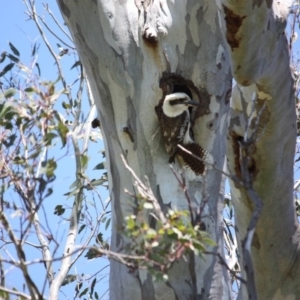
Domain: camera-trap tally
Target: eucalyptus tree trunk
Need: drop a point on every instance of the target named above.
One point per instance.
(136, 52)
(261, 135)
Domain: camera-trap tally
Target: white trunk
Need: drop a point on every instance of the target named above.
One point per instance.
(125, 47)
(260, 64)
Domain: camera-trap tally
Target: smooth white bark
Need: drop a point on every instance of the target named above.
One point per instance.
(260, 64)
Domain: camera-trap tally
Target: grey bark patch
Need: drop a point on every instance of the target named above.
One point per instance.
(131, 122)
(255, 241)
(64, 8)
(193, 274)
(212, 124)
(258, 3)
(148, 291)
(228, 95)
(80, 34)
(164, 206)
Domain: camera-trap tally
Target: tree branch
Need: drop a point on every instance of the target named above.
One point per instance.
(13, 292)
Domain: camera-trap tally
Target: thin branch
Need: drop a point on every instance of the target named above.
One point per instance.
(57, 23)
(73, 228)
(247, 242)
(297, 184)
(224, 263)
(146, 192)
(45, 247)
(33, 15)
(2, 273)
(184, 188)
(13, 292)
(54, 34)
(34, 292)
(79, 98)
(90, 237)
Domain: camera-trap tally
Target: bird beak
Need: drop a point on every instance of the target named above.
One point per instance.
(192, 103)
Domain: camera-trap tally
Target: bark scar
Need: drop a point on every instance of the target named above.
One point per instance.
(243, 154)
(129, 131)
(152, 12)
(233, 23)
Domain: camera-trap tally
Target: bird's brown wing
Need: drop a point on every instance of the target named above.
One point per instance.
(196, 165)
(173, 130)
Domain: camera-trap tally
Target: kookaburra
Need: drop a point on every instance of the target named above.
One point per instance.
(175, 124)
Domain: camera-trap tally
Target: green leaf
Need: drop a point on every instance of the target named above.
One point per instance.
(77, 63)
(76, 183)
(84, 161)
(62, 131)
(9, 126)
(130, 223)
(107, 223)
(30, 89)
(6, 111)
(99, 238)
(99, 166)
(82, 175)
(19, 160)
(96, 296)
(14, 49)
(49, 137)
(2, 57)
(51, 90)
(78, 287)
(49, 192)
(38, 67)
(81, 228)
(93, 286)
(66, 105)
(6, 69)
(83, 292)
(13, 58)
(56, 80)
(69, 278)
(92, 253)
(42, 185)
(72, 193)
(10, 141)
(96, 182)
(59, 210)
(34, 154)
(33, 50)
(50, 168)
(4, 295)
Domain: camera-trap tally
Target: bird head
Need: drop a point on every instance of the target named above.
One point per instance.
(175, 104)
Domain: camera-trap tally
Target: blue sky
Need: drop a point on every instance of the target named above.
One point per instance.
(22, 33)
